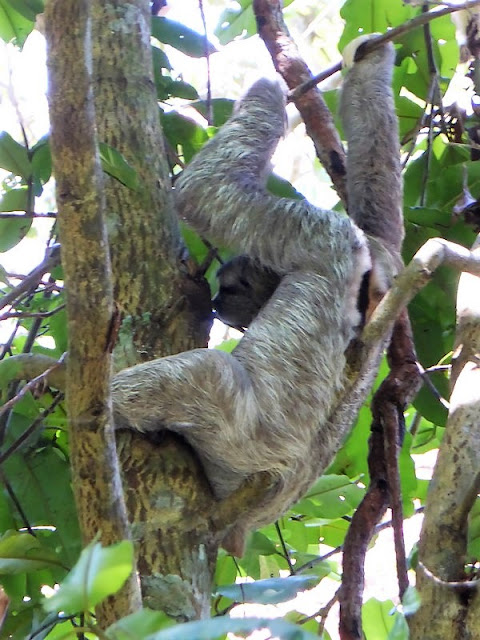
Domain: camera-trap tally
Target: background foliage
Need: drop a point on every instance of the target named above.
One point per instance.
(40, 541)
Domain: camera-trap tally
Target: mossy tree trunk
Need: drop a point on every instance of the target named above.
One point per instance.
(161, 306)
(89, 294)
(164, 310)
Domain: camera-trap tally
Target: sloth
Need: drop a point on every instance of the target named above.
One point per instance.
(266, 406)
(244, 287)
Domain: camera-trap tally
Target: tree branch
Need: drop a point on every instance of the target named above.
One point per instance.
(294, 70)
(51, 260)
(454, 486)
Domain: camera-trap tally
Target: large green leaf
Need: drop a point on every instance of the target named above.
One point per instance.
(14, 27)
(28, 8)
(371, 16)
(377, 619)
(41, 481)
(218, 627)
(271, 591)
(14, 156)
(181, 37)
(22, 552)
(138, 625)
(221, 109)
(184, 132)
(14, 200)
(99, 572)
(331, 497)
(12, 230)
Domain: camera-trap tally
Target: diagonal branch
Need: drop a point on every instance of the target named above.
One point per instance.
(294, 70)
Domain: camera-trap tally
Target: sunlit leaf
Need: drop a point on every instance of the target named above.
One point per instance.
(99, 572)
(22, 552)
(14, 27)
(377, 619)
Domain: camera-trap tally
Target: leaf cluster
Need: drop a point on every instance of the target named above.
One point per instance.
(40, 537)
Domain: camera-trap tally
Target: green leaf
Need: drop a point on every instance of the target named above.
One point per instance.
(371, 16)
(160, 59)
(428, 217)
(181, 37)
(42, 160)
(99, 572)
(218, 627)
(4, 276)
(410, 601)
(41, 481)
(59, 330)
(377, 621)
(22, 552)
(258, 543)
(12, 230)
(331, 497)
(181, 89)
(28, 8)
(221, 109)
(236, 22)
(227, 345)
(15, 200)
(271, 591)
(183, 131)
(116, 166)
(138, 625)
(282, 188)
(14, 27)
(400, 630)
(14, 156)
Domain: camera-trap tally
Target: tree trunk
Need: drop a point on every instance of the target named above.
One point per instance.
(165, 309)
(86, 264)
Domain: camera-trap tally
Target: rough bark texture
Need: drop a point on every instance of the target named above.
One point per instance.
(165, 310)
(175, 543)
(453, 605)
(85, 259)
(294, 70)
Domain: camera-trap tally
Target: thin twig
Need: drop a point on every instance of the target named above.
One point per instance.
(29, 214)
(208, 110)
(39, 314)
(433, 389)
(28, 432)
(374, 43)
(52, 259)
(31, 385)
(286, 554)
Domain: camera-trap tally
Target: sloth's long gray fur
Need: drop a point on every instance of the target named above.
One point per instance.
(266, 406)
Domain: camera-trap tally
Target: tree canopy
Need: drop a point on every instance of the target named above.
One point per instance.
(129, 284)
